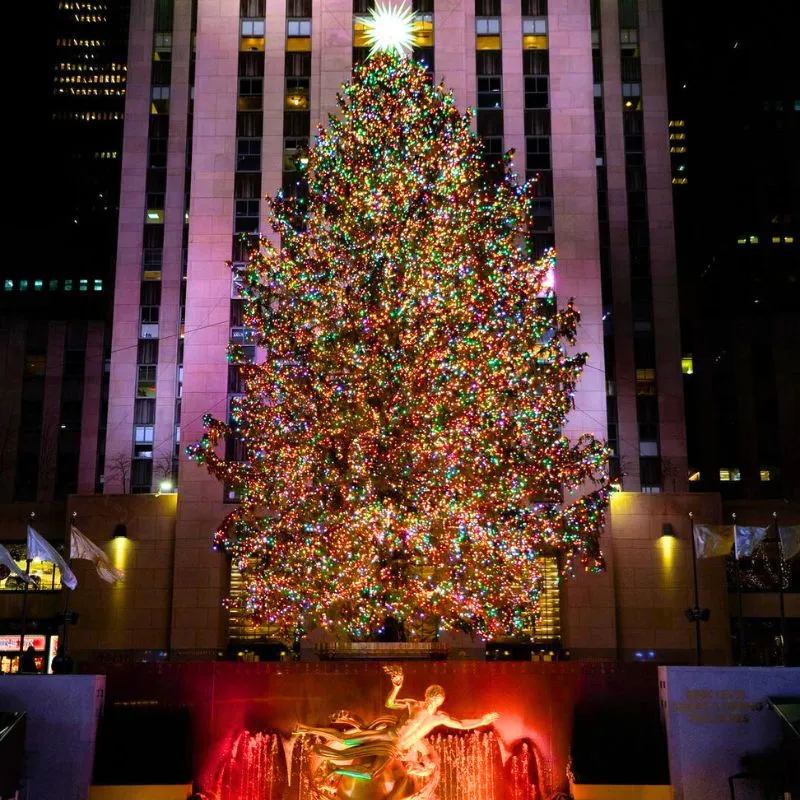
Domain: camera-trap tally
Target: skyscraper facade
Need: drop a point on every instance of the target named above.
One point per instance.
(221, 95)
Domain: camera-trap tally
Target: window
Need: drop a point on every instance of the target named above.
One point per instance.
(765, 475)
(147, 351)
(537, 152)
(83, 285)
(160, 100)
(8, 285)
(687, 365)
(297, 93)
(251, 94)
(298, 27)
(143, 434)
(487, 26)
(490, 92)
(298, 8)
(730, 474)
(146, 382)
(536, 92)
(162, 41)
(248, 155)
(251, 86)
(246, 216)
(645, 382)
(144, 412)
(46, 576)
(694, 475)
(98, 284)
(252, 27)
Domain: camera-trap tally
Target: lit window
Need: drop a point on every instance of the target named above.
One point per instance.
(487, 26)
(776, 240)
(8, 285)
(731, 474)
(83, 285)
(54, 285)
(677, 137)
(753, 239)
(741, 240)
(252, 27)
(765, 475)
(538, 25)
(23, 285)
(694, 476)
(788, 239)
(38, 286)
(68, 284)
(687, 365)
(679, 149)
(98, 285)
(298, 27)
(677, 123)
(143, 434)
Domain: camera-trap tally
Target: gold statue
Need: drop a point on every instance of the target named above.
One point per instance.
(383, 760)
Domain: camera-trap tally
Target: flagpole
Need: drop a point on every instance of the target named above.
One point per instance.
(24, 620)
(740, 620)
(62, 645)
(780, 589)
(698, 635)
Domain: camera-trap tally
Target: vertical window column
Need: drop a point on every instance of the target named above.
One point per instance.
(489, 79)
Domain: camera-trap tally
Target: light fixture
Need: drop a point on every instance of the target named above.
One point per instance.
(120, 531)
(667, 529)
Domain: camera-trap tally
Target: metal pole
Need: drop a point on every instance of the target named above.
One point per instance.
(740, 620)
(780, 589)
(698, 635)
(62, 645)
(24, 619)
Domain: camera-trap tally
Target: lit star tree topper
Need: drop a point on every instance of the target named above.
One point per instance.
(398, 448)
(389, 28)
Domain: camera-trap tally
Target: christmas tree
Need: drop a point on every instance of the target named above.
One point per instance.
(403, 427)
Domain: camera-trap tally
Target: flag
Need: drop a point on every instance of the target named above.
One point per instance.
(790, 541)
(38, 547)
(747, 539)
(713, 540)
(84, 548)
(7, 559)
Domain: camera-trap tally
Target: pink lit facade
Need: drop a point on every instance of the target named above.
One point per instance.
(210, 129)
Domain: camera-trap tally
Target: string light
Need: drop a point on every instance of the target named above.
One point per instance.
(403, 434)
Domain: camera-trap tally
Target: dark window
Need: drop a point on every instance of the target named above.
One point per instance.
(248, 155)
(490, 92)
(144, 411)
(147, 351)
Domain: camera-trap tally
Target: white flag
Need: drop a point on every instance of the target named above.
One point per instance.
(746, 539)
(713, 540)
(7, 559)
(38, 547)
(790, 541)
(83, 547)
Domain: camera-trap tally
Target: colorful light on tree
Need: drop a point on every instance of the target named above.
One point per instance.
(403, 430)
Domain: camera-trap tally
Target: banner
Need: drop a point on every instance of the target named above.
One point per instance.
(790, 541)
(713, 540)
(38, 547)
(83, 547)
(8, 560)
(746, 539)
